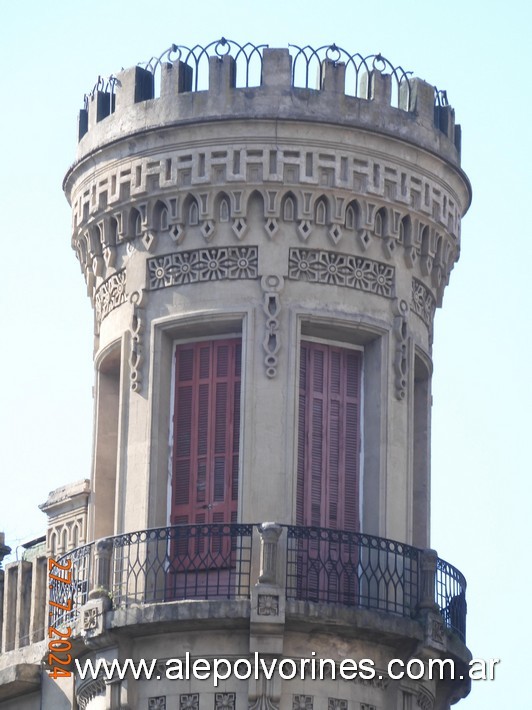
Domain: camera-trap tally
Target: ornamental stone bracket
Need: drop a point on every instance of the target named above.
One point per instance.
(265, 694)
(400, 362)
(92, 621)
(272, 287)
(136, 354)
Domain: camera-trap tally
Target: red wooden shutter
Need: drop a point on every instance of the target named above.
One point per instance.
(206, 432)
(329, 437)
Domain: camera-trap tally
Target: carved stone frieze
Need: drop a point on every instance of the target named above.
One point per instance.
(110, 294)
(423, 303)
(200, 265)
(329, 267)
(349, 172)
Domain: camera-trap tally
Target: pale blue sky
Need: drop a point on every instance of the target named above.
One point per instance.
(51, 53)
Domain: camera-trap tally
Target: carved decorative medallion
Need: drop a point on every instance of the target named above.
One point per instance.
(224, 701)
(158, 703)
(189, 701)
(90, 618)
(268, 605)
(337, 704)
(302, 702)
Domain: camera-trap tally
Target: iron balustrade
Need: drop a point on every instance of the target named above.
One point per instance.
(67, 597)
(352, 569)
(307, 71)
(214, 561)
(450, 597)
(211, 561)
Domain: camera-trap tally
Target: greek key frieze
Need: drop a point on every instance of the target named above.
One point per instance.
(200, 265)
(327, 267)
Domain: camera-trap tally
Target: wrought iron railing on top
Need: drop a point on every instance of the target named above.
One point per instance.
(215, 561)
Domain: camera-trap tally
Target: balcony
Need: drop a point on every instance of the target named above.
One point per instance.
(226, 561)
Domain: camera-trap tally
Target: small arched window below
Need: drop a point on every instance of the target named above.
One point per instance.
(224, 210)
(350, 218)
(321, 213)
(53, 543)
(113, 230)
(164, 219)
(138, 225)
(289, 210)
(405, 230)
(425, 241)
(193, 213)
(75, 535)
(379, 224)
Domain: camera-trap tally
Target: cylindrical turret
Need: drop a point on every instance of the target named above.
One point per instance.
(264, 264)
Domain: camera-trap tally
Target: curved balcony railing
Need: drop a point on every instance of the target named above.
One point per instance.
(224, 561)
(335, 566)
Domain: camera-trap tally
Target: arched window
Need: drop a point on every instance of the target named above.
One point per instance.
(425, 241)
(75, 535)
(352, 216)
(405, 230)
(137, 224)
(289, 209)
(321, 212)
(224, 210)
(53, 543)
(163, 221)
(193, 213)
(113, 230)
(82, 251)
(380, 223)
(64, 540)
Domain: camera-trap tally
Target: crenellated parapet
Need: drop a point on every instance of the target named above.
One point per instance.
(219, 164)
(258, 81)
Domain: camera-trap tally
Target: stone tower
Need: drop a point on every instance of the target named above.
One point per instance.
(264, 259)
